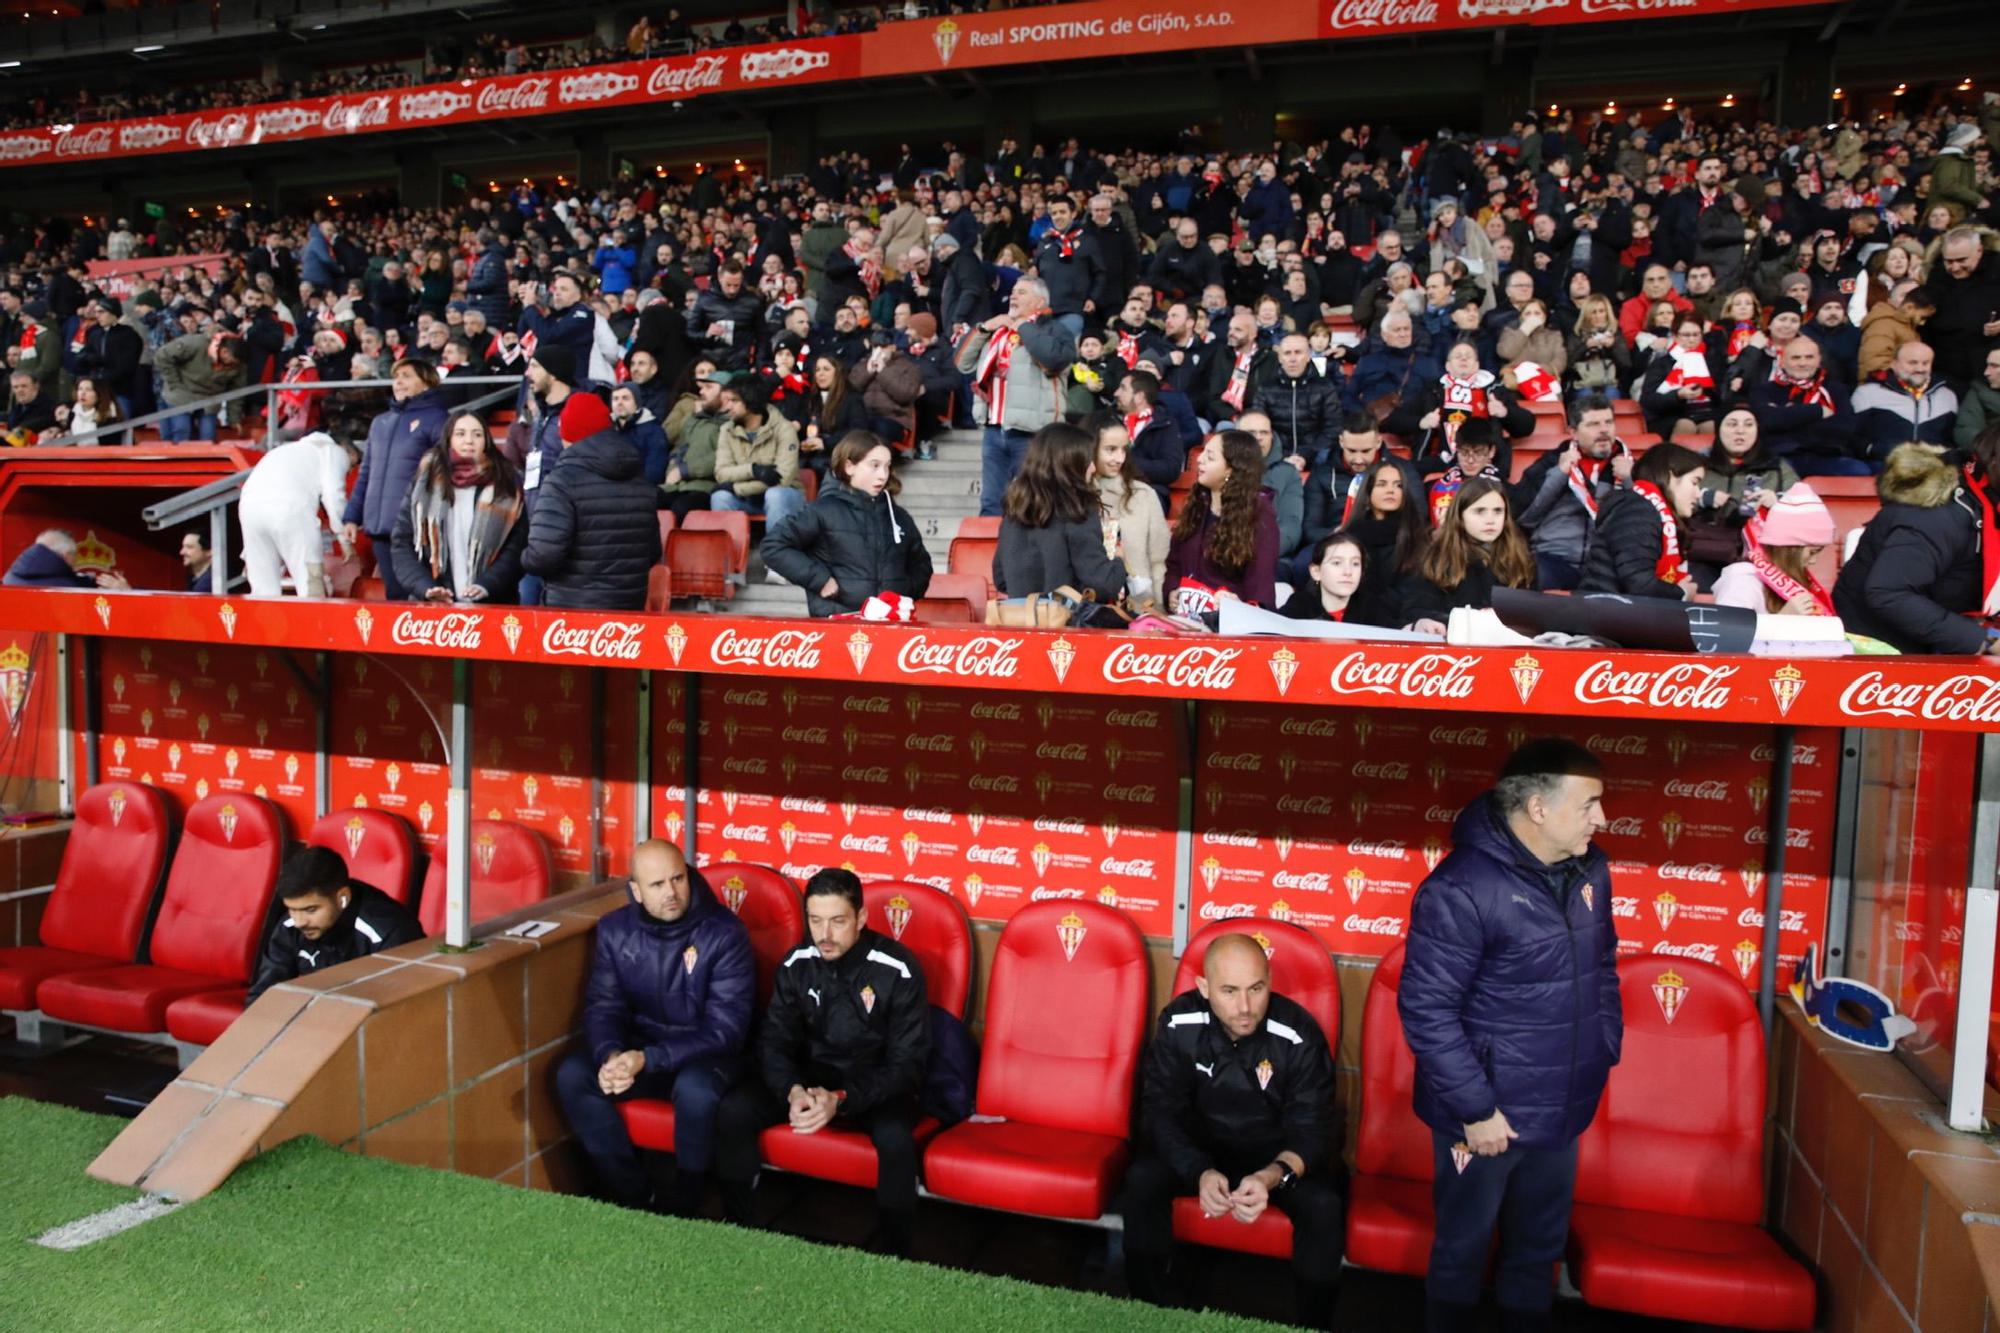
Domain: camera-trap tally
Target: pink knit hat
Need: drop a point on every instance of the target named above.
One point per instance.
(1798, 519)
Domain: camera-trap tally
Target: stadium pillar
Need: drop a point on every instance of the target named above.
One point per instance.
(594, 158)
(1805, 82)
(1250, 118)
(791, 145)
(1509, 84)
(420, 179)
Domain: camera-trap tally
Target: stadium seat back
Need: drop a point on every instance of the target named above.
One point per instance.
(219, 889)
(1065, 1014)
(973, 556)
(975, 525)
(511, 868)
(934, 927)
(111, 870)
(971, 588)
(699, 563)
(659, 590)
(944, 611)
(1392, 1141)
(1688, 1089)
(731, 523)
(380, 848)
(1301, 969)
(666, 521)
(768, 903)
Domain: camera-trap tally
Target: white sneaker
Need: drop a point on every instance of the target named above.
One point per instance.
(773, 576)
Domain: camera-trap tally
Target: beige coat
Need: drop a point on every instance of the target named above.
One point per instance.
(902, 227)
(1135, 530)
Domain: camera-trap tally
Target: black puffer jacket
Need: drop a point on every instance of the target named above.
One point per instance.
(594, 536)
(866, 544)
(861, 1023)
(743, 312)
(680, 990)
(1305, 412)
(1625, 550)
(1918, 565)
(1033, 561)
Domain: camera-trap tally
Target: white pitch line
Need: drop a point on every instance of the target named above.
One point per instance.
(112, 1221)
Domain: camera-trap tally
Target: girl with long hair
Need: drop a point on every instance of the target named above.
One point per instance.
(1389, 519)
(1600, 360)
(1339, 587)
(1476, 548)
(1135, 527)
(1225, 542)
(1639, 547)
(832, 410)
(1780, 545)
(460, 533)
(1051, 530)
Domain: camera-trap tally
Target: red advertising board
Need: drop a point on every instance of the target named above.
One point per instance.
(1332, 820)
(999, 800)
(925, 46)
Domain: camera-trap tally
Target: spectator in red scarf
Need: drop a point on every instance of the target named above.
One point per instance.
(1780, 545)
(1640, 547)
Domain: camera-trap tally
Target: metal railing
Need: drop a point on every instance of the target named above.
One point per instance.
(211, 500)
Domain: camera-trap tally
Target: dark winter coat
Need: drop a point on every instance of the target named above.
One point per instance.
(1074, 280)
(398, 439)
(372, 922)
(866, 544)
(1509, 997)
(680, 991)
(1304, 412)
(1033, 561)
(488, 286)
(594, 536)
(860, 1024)
(1918, 566)
(40, 567)
(1625, 550)
(649, 438)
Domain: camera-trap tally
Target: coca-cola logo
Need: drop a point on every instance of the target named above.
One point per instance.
(865, 703)
(1431, 676)
(1698, 791)
(937, 742)
(1070, 826)
(1135, 794)
(231, 127)
(1135, 868)
(927, 814)
(436, 104)
(804, 805)
(279, 121)
(744, 766)
(1795, 838)
(1381, 771)
(1389, 849)
(1228, 838)
(995, 782)
(786, 650)
(746, 832)
(1008, 712)
(147, 134)
(1305, 805)
(864, 842)
(1309, 726)
(1705, 872)
(1791, 920)
(1627, 826)
(94, 142)
(1704, 951)
(873, 775)
(1196, 667)
(458, 630)
(1226, 911)
(746, 698)
(1962, 698)
(1625, 745)
(1685, 685)
(613, 640)
(344, 117)
(1072, 752)
(1625, 907)
(1804, 756)
(1467, 737)
(992, 856)
(1631, 6)
(1307, 881)
(1139, 719)
(787, 62)
(596, 86)
(495, 99)
(986, 657)
(670, 80)
(1053, 895)
(1357, 924)
(1348, 14)
(1246, 761)
(804, 735)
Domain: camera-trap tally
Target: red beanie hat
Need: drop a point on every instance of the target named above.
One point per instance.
(583, 415)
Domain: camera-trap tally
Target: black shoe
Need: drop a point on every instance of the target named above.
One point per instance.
(1147, 1279)
(1526, 1321)
(739, 1202)
(1450, 1317)
(684, 1196)
(898, 1231)
(1314, 1303)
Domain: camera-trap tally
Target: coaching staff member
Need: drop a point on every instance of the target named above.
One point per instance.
(329, 919)
(1509, 1000)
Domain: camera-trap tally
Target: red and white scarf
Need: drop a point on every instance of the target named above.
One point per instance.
(1740, 334)
(1128, 347)
(871, 272)
(1672, 566)
(1239, 378)
(1777, 580)
(1066, 240)
(1353, 494)
(1989, 543)
(1464, 400)
(990, 378)
(1812, 392)
(1690, 370)
(1136, 422)
(1584, 474)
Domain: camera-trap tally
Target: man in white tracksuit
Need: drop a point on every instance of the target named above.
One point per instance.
(280, 508)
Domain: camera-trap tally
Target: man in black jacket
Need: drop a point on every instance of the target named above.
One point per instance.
(844, 1043)
(1070, 265)
(593, 537)
(112, 351)
(1183, 266)
(330, 920)
(1237, 1110)
(1303, 405)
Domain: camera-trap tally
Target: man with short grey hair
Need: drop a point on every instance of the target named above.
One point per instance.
(1016, 361)
(49, 563)
(1509, 1000)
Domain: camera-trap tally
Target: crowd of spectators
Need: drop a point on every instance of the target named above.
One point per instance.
(1217, 363)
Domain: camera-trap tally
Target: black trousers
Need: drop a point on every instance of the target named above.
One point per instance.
(697, 1091)
(1313, 1204)
(751, 1108)
(1526, 1193)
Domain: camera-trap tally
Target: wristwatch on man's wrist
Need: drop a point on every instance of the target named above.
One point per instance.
(1286, 1176)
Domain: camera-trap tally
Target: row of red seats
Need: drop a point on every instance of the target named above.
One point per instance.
(153, 931)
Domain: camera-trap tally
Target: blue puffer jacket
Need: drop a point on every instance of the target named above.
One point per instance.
(1509, 996)
(398, 439)
(680, 991)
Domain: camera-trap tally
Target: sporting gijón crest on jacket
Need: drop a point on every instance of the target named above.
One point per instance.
(678, 990)
(859, 1024)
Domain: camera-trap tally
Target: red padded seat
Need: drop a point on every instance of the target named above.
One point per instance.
(199, 1019)
(1065, 1016)
(1304, 972)
(1390, 1219)
(843, 1156)
(218, 897)
(769, 905)
(1669, 1178)
(110, 875)
(511, 868)
(380, 848)
(933, 926)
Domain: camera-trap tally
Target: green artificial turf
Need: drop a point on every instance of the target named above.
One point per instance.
(310, 1237)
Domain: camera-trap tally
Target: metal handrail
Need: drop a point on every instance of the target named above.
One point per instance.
(270, 392)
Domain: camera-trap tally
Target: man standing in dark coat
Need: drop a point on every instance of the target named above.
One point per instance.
(1509, 1000)
(593, 537)
(666, 1013)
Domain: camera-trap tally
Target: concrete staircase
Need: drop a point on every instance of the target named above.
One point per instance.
(937, 492)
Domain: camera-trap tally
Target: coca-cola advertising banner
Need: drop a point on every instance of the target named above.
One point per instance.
(997, 799)
(1332, 819)
(1063, 32)
(1922, 693)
